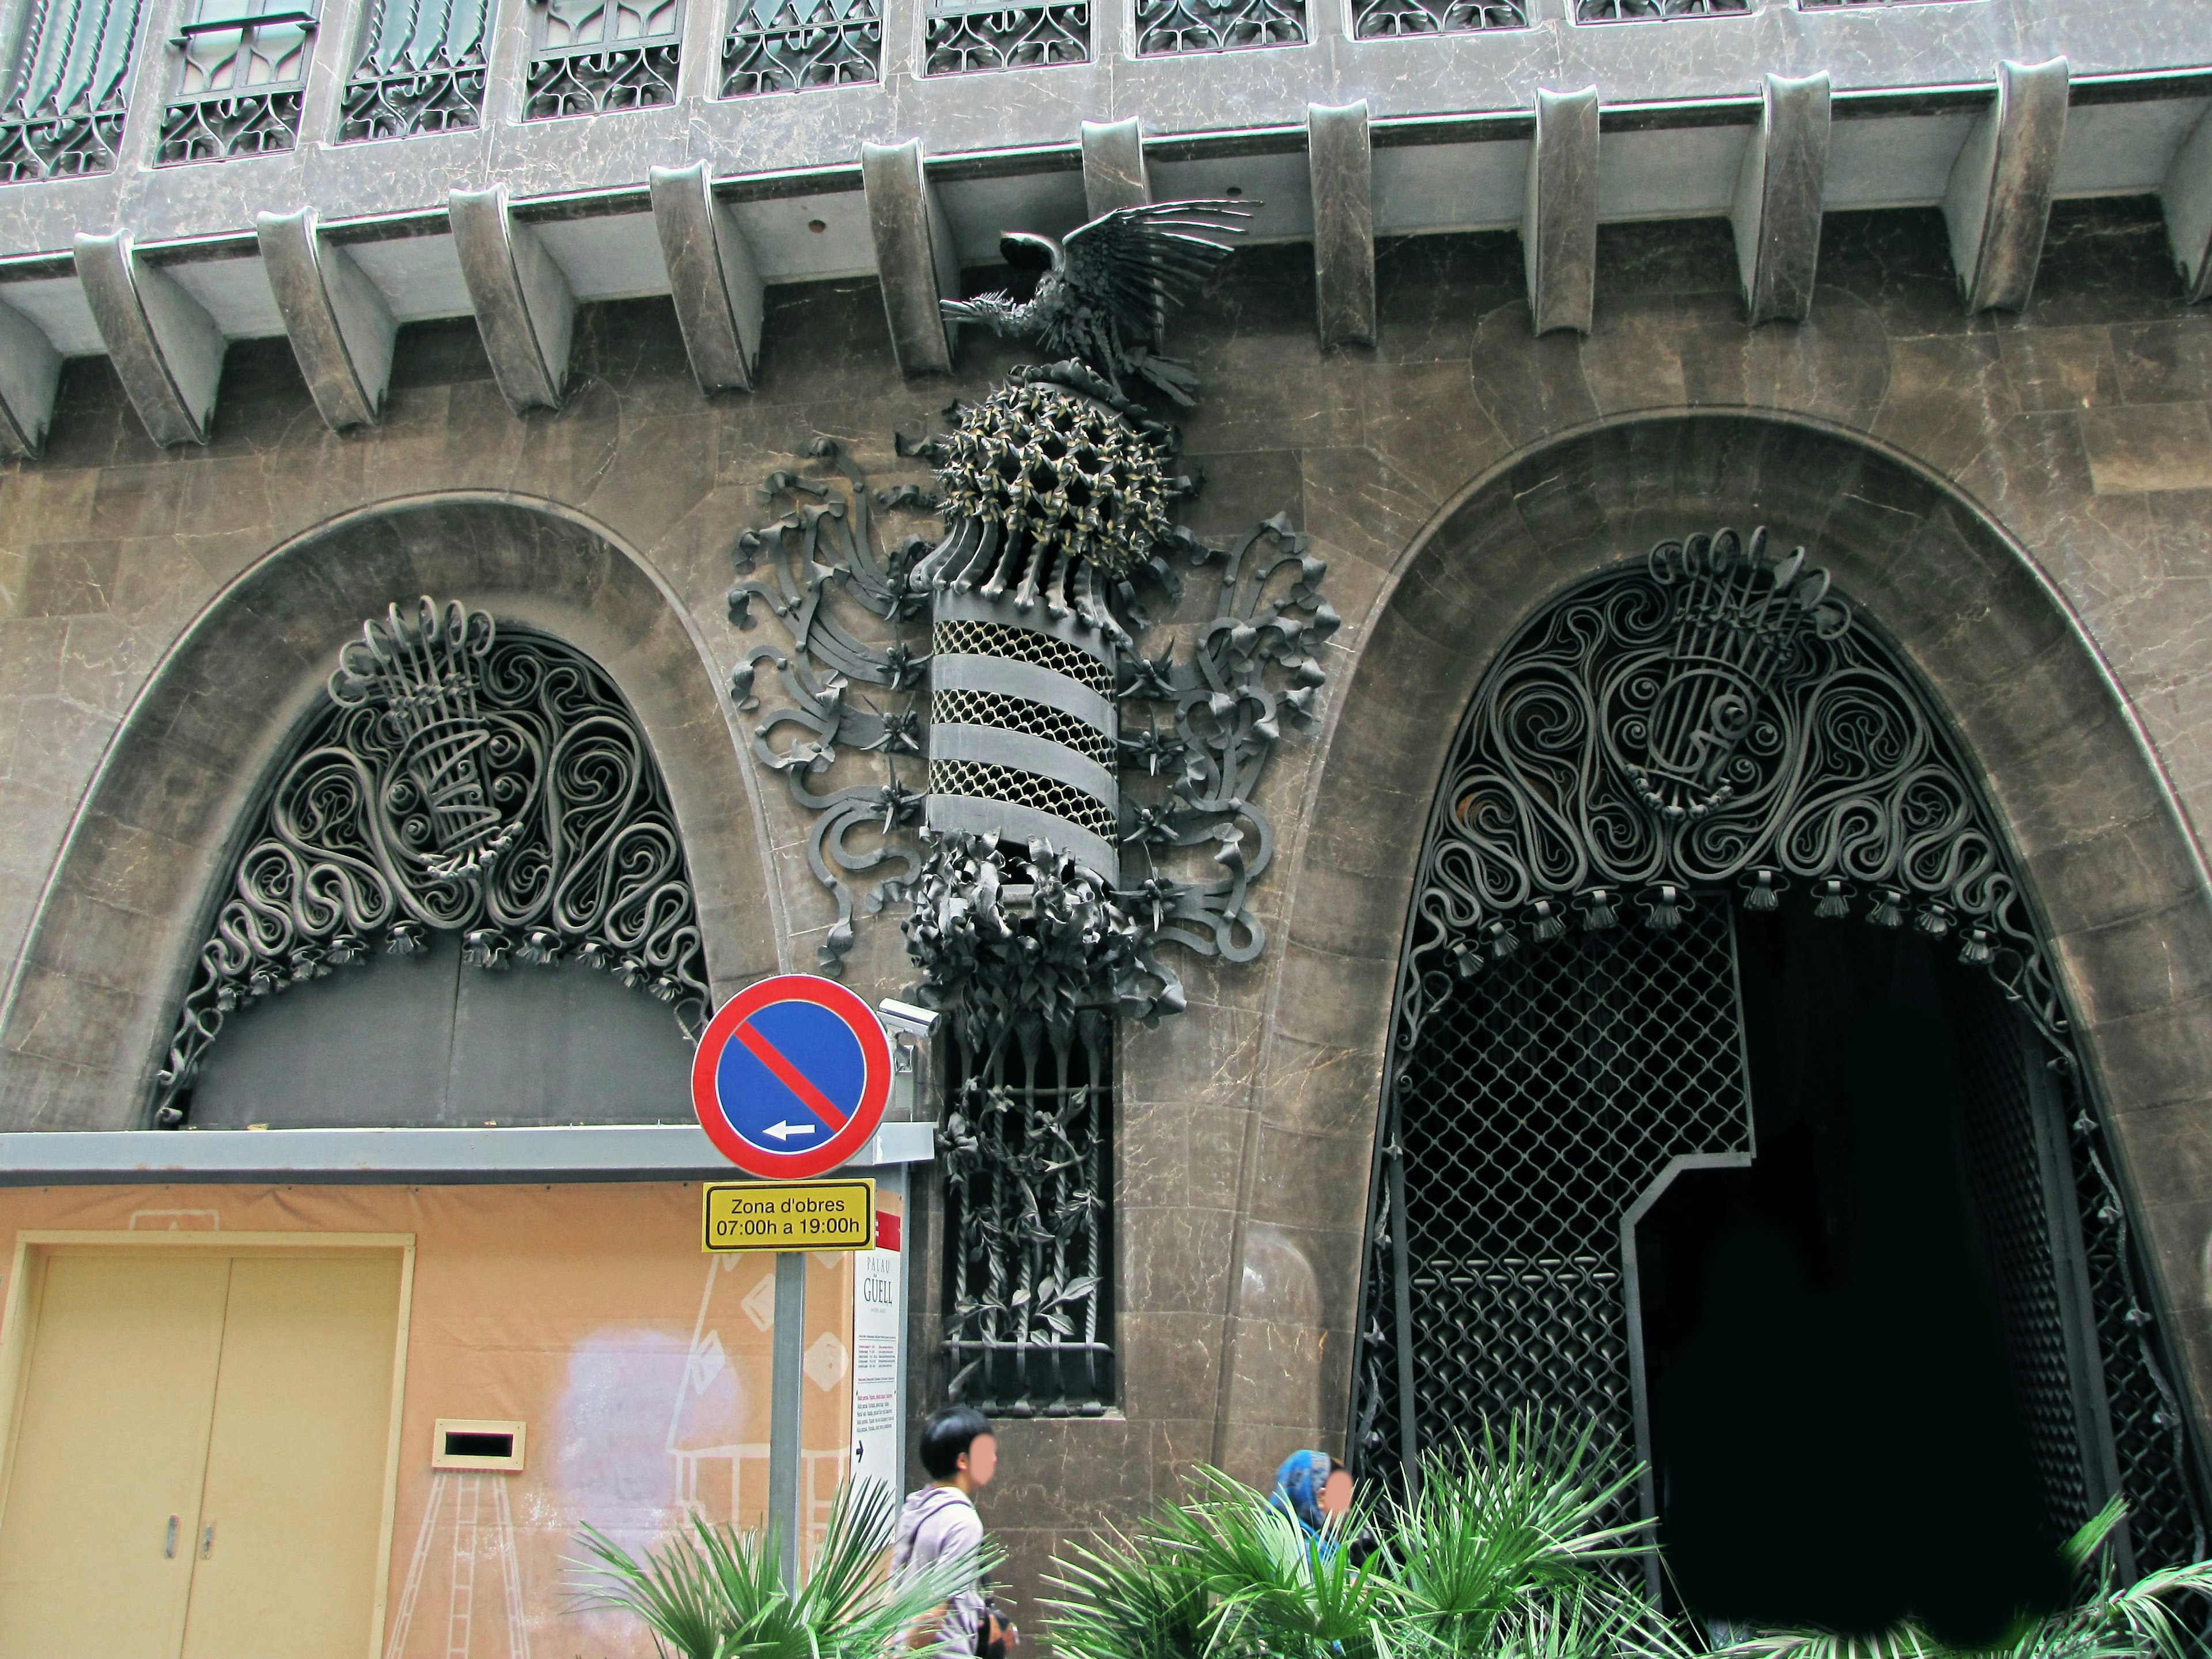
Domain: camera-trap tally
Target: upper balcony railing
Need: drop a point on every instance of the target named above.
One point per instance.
(421, 68)
(67, 91)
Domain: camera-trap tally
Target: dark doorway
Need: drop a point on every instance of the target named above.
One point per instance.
(1849, 1415)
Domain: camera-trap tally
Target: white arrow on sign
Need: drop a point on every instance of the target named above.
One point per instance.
(783, 1131)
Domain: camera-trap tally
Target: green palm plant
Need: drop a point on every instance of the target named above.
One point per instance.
(716, 1593)
(2107, 1620)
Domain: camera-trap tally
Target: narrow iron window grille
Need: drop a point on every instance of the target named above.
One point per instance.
(790, 46)
(1705, 730)
(240, 82)
(967, 35)
(1382, 19)
(421, 69)
(1026, 1150)
(63, 110)
(1645, 11)
(594, 55)
(1173, 26)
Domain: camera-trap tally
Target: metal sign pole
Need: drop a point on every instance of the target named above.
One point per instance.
(784, 1377)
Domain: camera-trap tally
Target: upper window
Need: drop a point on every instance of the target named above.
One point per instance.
(62, 112)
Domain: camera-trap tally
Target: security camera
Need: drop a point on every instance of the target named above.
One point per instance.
(907, 1020)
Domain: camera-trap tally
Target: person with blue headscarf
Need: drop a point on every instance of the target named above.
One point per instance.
(1312, 1487)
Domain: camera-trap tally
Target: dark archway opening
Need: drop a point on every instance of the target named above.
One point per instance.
(1859, 1411)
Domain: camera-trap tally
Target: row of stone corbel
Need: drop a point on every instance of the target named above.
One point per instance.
(168, 351)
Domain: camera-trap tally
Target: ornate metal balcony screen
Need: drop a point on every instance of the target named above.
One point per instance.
(240, 82)
(1027, 1154)
(462, 780)
(594, 56)
(788, 46)
(965, 35)
(421, 69)
(1377, 19)
(1713, 728)
(1167, 26)
(65, 107)
(1636, 11)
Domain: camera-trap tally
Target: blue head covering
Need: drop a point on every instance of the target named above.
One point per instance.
(1298, 1484)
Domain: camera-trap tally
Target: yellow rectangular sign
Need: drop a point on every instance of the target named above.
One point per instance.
(789, 1215)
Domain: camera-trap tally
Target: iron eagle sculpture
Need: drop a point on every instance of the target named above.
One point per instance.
(1102, 295)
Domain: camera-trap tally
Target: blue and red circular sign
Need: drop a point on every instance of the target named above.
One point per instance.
(791, 1077)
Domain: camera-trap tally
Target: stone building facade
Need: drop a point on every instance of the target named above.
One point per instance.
(2021, 497)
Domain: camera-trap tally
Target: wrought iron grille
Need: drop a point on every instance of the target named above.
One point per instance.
(1381, 19)
(1171, 26)
(1025, 1147)
(2015, 1157)
(1705, 726)
(967, 35)
(594, 56)
(239, 90)
(63, 110)
(1542, 1101)
(1635, 11)
(461, 780)
(2159, 1474)
(788, 46)
(422, 70)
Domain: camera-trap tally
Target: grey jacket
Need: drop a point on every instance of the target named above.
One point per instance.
(938, 1522)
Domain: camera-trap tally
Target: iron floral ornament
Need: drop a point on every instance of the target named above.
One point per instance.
(459, 781)
(1056, 749)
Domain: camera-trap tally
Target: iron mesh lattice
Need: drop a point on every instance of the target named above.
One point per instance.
(1543, 1099)
(2165, 1510)
(2006, 1179)
(990, 639)
(1026, 1151)
(1011, 783)
(1006, 714)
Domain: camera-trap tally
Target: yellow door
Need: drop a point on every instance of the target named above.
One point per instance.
(290, 1520)
(110, 1445)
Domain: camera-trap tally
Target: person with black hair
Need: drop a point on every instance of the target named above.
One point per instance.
(960, 1454)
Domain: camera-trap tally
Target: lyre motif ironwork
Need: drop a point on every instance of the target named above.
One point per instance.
(464, 780)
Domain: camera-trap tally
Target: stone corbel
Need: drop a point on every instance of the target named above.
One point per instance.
(30, 369)
(1997, 203)
(1114, 171)
(339, 324)
(167, 349)
(916, 260)
(1559, 214)
(712, 277)
(1777, 212)
(1342, 164)
(2186, 196)
(525, 308)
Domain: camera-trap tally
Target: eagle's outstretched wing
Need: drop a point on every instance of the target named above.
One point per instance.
(1131, 264)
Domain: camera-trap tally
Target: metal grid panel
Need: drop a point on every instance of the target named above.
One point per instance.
(1026, 1154)
(1009, 714)
(962, 637)
(1538, 1104)
(1011, 783)
(2004, 1175)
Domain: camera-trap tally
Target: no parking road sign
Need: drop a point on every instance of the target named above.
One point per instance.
(791, 1077)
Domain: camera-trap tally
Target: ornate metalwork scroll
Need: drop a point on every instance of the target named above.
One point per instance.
(422, 70)
(1632, 11)
(1710, 728)
(594, 56)
(788, 46)
(239, 88)
(1379, 19)
(64, 110)
(463, 781)
(1091, 760)
(1170, 25)
(965, 35)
